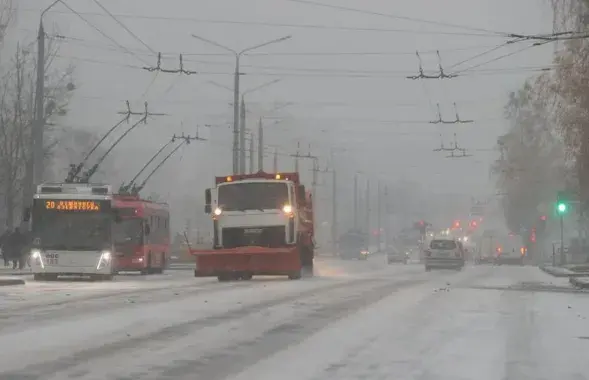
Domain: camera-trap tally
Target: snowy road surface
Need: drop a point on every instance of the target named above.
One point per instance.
(361, 320)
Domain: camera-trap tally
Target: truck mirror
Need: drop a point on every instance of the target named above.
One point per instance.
(208, 201)
(26, 215)
(301, 193)
(147, 229)
(117, 216)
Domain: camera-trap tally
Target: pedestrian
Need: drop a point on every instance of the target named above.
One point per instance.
(15, 244)
(3, 239)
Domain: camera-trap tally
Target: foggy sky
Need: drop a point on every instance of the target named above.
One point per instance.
(378, 125)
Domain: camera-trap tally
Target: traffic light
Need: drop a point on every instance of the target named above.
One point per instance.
(561, 203)
(542, 224)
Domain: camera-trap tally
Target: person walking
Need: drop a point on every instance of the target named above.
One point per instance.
(15, 244)
(3, 239)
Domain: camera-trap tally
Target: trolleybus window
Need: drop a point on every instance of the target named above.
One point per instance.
(75, 225)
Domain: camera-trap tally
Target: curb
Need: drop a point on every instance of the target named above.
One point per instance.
(579, 284)
(11, 281)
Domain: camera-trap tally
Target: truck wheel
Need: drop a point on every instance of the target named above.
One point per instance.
(247, 276)
(39, 276)
(225, 277)
(295, 275)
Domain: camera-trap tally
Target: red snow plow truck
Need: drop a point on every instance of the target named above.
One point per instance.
(262, 226)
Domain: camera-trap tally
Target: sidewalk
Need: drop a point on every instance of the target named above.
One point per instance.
(564, 272)
(8, 281)
(8, 271)
(580, 282)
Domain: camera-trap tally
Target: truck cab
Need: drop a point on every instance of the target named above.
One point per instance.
(258, 220)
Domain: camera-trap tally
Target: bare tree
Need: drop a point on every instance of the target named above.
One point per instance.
(16, 119)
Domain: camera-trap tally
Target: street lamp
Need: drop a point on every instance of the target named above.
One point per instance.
(238, 54)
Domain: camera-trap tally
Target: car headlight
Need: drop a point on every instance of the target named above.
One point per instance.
(217, 211)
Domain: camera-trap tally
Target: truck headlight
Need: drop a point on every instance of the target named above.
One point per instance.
(217, 211)
(287, 209)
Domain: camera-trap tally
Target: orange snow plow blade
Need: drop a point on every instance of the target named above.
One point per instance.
(254, 260)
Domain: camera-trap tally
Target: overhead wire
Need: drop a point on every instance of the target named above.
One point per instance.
(124, 26)
(283, 25)
(80, 16)
(397, 17)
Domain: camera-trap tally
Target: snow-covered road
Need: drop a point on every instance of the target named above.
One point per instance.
(357, 320)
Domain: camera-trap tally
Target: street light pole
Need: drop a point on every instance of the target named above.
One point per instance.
(562, 255)
(238, 54)
(34, 165)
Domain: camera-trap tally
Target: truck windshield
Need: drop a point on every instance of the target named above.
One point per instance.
(128, 231)
(253, 196)
(71, 230)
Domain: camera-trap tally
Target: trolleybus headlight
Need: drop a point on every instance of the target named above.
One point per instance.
(104, 260)
(218, 211)
(38, 257)
(35, 253)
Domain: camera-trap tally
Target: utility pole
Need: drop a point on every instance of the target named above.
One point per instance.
(334, 205)
(260, 146)
(387, 216)
(275, 161)
(367, 200)
(378, 212)
(296, 158)
(242, 132)
(356, 201)
(252, 161)
(238, 55)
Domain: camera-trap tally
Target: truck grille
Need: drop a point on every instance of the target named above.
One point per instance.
(272, 237)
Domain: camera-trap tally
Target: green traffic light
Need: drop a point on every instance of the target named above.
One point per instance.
(562, 208)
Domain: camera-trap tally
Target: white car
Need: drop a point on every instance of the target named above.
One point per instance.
(444, 253)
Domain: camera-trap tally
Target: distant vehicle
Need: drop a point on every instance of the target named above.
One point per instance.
(142, 238)
(510, 251)
(444, 253)
(395, 255)
(71, 231)
(354, 245)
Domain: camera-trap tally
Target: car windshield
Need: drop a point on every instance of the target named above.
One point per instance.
(443, 244)
(128, 231)
(253, 196)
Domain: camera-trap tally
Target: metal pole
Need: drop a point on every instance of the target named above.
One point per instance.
(334, 208)
(236, 117)
(252, 161)
(260, 146)
(562, 255)
(275, 160)
(242, 133)
(367, 200)
(355, 201)
(387, 217)
(296, 159)
(39, 125)
(378, 214)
